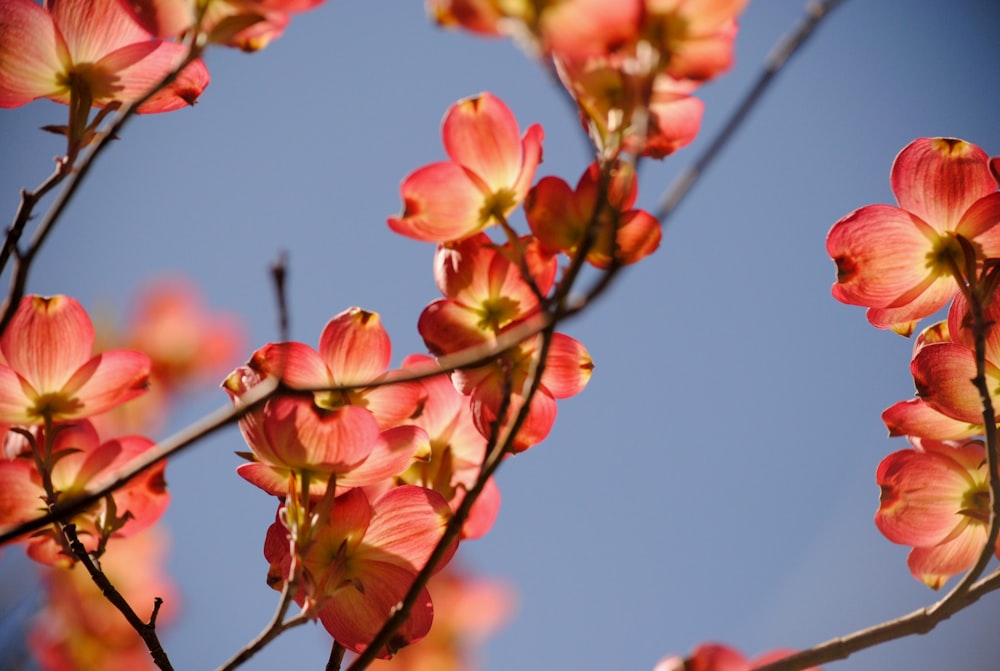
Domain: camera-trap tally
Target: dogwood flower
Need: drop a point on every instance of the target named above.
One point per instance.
(489, 174)
(90, 51)
(901, 262)
(51, 374)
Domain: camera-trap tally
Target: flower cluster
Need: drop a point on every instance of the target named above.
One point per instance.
(631, 65)
(940, 244)
(50, 385)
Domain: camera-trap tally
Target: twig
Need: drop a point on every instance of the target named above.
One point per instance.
(147, 630)
(786, 47)
(24, 260)
(336, 656)
(279, 275)
(967, 591)
(170, 446)
(274, 628)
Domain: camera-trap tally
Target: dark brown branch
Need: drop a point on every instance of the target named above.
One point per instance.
(147, 630)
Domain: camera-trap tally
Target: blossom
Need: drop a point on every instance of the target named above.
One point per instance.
(560, 217)
(50, 374)
(92, 51)
(80, 629)
(936, 499)
(486, 296)
(719, 657)
(185, 340)
(468, 609)
(246, 24)
(943, 371)
(79, 459)
(489, 174)
(457, 450)
(354, 349)
(694, 37)
(361, 562)
(901, 262)
(296, 444)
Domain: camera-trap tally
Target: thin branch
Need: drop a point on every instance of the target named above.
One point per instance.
(277, 626)
(24, 260)
(786, 47)
(336, 657)
(967, 591)
(147, 630)
(25, 210)
(279, 275)
(169, 447)
(918, 622)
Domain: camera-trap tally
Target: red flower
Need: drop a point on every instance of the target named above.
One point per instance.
(92, 50)
(900, 262)
(50, 373)
(489, 174)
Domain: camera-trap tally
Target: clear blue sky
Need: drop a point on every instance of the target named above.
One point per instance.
(716, 479)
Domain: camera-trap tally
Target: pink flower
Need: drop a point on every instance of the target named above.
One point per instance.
(246, 24)
(361, 562)
(354, 349)
(80, 459)
(490, 171)
(900, 262)
(719, 657)
(560, 216)
(90, 50)
(936, 499)
(51, 373)
(299, 445)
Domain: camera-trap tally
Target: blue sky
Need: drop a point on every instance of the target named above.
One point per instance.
(715, 481)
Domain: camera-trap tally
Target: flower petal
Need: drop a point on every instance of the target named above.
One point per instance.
(32, 53)
(938, 179)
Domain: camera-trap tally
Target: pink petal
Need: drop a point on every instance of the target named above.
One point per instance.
(305, 437)
(391, 454)
(881, 255)
(942, 374)
(531, 151)
(355, 346)
(915, 417)
(17, 398)
(538, 423)
(567, 368)
(392, 403)
(141, 66)
(441, 203)
(32, 53)
(481, 134)
(95, 28)
(407, 525)
(273, 480)
(447, 326)
(938, 179)
(923, 300)
(580, 29)
(297, 364)
(922, 495)
(20, 491)
(979, 223)
(47, 340)
(933, 565)
(108, 380)
(484, 511)
(353, 618)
